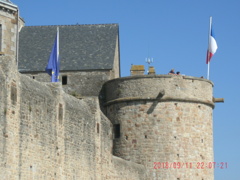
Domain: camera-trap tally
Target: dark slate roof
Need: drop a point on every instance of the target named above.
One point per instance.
(81, 47)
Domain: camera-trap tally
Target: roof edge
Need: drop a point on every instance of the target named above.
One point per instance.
(74, 25)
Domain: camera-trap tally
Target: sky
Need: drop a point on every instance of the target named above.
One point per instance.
(175, 34)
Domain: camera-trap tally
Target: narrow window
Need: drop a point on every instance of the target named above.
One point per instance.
(117, 130)
(64, 80)
(33, 77)
(97, 127)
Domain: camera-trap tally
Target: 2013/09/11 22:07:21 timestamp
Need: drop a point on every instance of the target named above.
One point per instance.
(190, 165)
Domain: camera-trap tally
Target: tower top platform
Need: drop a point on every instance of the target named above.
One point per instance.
(159, 87)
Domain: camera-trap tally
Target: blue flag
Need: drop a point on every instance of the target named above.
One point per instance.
(53, 62)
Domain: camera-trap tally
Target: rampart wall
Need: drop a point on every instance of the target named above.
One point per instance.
(48, 134)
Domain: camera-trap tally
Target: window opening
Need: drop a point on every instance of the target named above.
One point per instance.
(117, 130)
(64, 80)
(97, 127)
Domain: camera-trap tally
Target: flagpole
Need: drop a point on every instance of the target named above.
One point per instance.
(58, 41)
(53, 61)
(58, 63)
(210, 25)
(208, 70)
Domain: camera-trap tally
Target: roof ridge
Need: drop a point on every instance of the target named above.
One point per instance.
(73, 25)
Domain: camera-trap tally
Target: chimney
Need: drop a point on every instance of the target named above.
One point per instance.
(137, 70)
(151, 70)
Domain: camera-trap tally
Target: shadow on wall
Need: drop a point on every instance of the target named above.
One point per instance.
(155, 102)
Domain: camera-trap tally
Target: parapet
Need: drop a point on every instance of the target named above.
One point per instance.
(151, 88)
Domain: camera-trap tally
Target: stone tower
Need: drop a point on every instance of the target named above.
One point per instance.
(163, 122)
(10, 25)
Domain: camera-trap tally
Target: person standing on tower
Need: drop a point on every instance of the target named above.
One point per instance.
(172, 72)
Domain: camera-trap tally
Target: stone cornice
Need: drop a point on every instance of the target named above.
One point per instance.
(164, 99)
(7, 7)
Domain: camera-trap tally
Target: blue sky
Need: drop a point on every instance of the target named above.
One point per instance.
(175, 34)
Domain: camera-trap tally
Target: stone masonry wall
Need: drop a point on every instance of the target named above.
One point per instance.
(165, 124)
(115, 72)
(48, 134)
(8, 33)
(9, 124)
(82, 83)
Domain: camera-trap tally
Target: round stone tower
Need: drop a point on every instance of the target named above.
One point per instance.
(163, 122)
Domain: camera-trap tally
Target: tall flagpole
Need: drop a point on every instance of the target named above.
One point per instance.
(58, 63)
(208, 70)
(53, 65)
(209, 34)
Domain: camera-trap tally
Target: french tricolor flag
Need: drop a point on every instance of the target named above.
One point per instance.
(212, 44)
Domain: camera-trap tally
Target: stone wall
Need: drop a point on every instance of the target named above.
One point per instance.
(115, 72)
(48, 134)
(81, 83)
(163, 120)
(9, 124)
(8, 29)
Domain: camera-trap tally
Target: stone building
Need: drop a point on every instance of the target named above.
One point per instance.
(89, 55)
(149, 127)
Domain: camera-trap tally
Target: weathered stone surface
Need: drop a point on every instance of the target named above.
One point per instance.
(48, 134)
(79, 84)
(175, 128)
(10, 23)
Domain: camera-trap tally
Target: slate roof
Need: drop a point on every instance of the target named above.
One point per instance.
(81, 47)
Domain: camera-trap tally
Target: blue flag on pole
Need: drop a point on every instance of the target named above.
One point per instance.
(53, 62)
